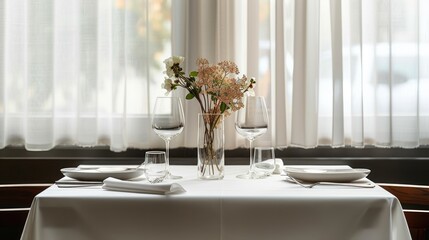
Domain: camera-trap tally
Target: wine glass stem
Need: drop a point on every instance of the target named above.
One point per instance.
(167, 154)
(252, 160)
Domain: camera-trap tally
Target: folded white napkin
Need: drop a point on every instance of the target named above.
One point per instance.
(279, 165)
(142, 187)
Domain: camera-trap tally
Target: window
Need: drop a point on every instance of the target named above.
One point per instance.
(81, 72)
(335, 73)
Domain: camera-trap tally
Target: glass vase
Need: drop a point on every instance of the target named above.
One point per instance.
(211, 158)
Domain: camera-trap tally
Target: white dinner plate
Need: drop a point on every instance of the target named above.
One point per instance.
(327, 175)
(101, 173)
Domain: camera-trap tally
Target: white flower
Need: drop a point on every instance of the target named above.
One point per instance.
(251, 92)
(167, 85)
(178, 59)
(169, 62)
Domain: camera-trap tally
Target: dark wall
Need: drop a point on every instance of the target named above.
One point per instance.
(387, 165)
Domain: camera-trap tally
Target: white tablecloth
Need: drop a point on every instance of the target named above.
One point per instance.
(228, 209)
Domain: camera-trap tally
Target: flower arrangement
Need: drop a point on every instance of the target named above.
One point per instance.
(216, 87)
(219, 92)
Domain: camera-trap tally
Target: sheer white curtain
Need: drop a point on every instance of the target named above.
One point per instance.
(224, 30)
(211, 30)
(81, 72)
(360, 73)
(334, 72)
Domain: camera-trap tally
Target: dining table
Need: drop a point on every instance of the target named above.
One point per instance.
(228, 209)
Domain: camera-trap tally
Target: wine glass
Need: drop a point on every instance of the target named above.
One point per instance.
(251, 122)
(168, 121)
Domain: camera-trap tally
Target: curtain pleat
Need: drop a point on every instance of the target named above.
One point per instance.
(337, 73)
(405, 129)
(2, 74)
(278, 72)
(119, 80)
(39, 93)
(305, 74)
(353, 33)
(86, 47)
(423, 57)
(228, 38)
(15, 40)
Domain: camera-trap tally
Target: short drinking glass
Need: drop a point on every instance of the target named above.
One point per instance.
(264, 161)
(155, 166)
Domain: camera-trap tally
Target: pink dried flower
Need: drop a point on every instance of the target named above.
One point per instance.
(216, 87)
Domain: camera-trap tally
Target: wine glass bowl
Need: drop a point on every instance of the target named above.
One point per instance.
(168, 121)
(251, 122)
(167, 132)
(251, 132)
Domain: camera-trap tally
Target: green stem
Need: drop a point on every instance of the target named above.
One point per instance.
(210, 161)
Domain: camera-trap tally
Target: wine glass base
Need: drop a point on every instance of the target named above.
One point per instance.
(171, 176)
(252, 175)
